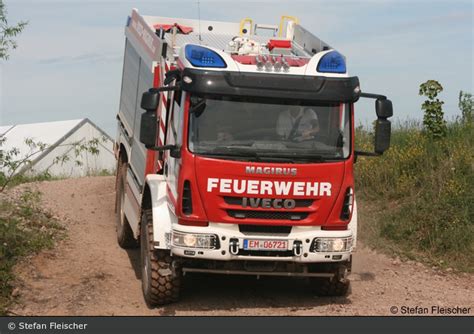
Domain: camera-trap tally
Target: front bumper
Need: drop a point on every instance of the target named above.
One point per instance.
(299, 250)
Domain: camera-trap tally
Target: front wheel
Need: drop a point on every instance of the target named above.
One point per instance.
(161, 276)
(329, 287)
(338, 285)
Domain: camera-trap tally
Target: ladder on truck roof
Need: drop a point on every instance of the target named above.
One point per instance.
(157, 37)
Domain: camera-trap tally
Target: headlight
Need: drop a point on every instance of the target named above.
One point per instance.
(189, 240)
(195, 240)
(338, 245)
(331, 245)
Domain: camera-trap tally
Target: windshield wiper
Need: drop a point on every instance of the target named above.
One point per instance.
(229, 151)
(295, 156)
(234, 148)
(248, 152)
(244, 152)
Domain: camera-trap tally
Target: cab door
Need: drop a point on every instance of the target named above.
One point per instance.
(174, 131)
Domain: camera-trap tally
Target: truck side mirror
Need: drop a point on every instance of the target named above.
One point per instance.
(150, 101)
(383, 127)
(149, 122)
(384, 108)
(148, 127)
(382, 135)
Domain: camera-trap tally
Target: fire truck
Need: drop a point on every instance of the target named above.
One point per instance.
(235, 153)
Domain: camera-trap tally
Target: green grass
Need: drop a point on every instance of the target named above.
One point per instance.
(25, 229)
(103, 172)
(45, 176)
(22, 178)
(417, 200)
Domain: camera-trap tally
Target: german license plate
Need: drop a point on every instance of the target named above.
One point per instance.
(258, 244)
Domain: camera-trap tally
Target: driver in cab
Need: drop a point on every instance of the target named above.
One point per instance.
(298, 124)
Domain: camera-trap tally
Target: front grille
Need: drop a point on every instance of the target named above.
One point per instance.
(275, 215)
(265, 229)
(300, 203)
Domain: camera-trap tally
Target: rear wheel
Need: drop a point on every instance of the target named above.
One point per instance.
(124, 233)
(161, 276)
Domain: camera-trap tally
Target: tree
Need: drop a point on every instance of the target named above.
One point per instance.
(433, 119)
(466, 105)
(8, 33)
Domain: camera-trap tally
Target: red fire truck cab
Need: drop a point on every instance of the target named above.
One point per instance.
(235, 150)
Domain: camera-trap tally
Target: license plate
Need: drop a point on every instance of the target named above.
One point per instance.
(258, 244)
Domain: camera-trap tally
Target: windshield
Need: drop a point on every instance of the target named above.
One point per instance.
(265, 129)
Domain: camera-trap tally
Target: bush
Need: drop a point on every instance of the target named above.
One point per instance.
(422, 191)
(433, 119)
(466, 105)
(24, 229)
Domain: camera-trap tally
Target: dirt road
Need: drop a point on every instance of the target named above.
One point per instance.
(88, 274)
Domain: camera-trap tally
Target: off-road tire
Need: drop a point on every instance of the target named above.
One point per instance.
(161, 276)
(329, 287)
(125, 236)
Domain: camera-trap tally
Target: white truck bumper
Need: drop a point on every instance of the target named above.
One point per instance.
(300, 244)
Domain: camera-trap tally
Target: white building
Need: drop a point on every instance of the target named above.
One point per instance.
(60, 138)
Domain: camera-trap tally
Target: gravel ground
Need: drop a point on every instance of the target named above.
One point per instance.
(88, 274)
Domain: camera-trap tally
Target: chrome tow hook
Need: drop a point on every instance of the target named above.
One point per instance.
(297, 248)
(234, 246)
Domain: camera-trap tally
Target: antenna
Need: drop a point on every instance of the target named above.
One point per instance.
(199, 20)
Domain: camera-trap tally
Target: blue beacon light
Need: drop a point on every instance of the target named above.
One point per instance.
(200, 56)
(332, 62)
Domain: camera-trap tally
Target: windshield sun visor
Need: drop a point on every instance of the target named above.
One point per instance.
(315, 88)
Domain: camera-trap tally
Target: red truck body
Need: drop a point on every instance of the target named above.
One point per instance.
(236, 152)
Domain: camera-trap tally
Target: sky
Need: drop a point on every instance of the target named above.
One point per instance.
(68, 63)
